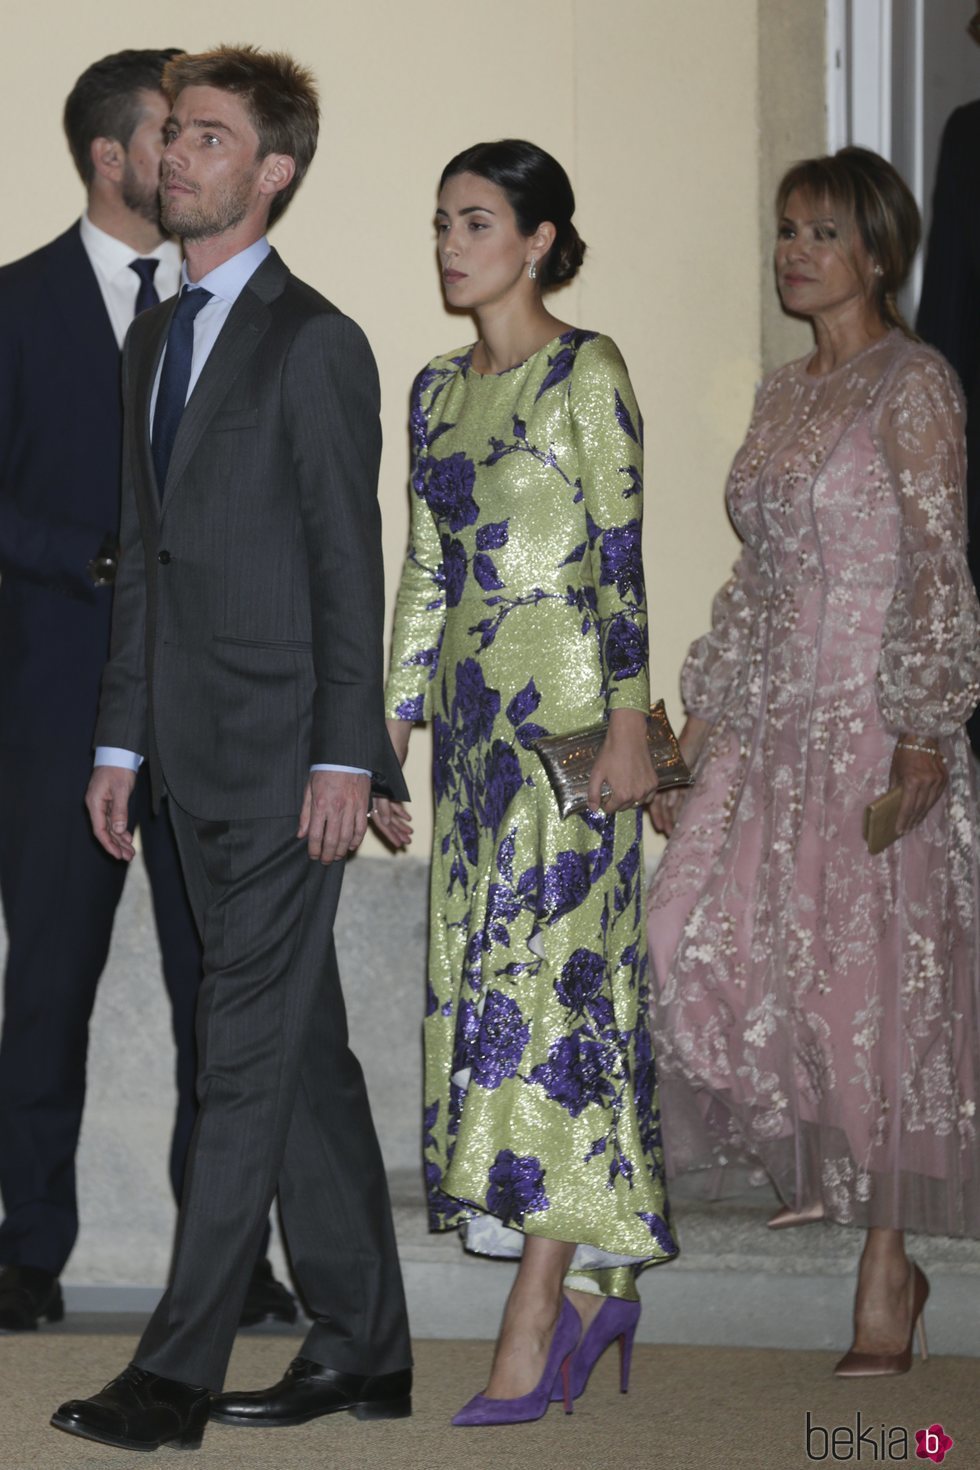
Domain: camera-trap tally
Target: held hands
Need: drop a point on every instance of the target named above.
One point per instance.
(666, 806)
(334, 816)
(623, 765)
(918, 768)
(107, 801)
(391, 819)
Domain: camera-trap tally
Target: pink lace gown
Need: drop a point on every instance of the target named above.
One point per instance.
(816, 1007)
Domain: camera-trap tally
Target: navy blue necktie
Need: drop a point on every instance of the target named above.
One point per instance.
(147, 295)
(174, 378)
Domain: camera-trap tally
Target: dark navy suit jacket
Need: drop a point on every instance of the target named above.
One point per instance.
(60, 450)
(949, 312)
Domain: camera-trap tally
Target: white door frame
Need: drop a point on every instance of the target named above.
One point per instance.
(875, 54)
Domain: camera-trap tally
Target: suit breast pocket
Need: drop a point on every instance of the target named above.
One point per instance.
(276, 645)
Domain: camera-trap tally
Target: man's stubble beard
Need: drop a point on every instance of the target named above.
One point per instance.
(142, 199)
(189, 220)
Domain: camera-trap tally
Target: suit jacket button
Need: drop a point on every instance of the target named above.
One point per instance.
(163, 557)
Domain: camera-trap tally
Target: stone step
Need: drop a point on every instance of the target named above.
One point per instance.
(735, 1283)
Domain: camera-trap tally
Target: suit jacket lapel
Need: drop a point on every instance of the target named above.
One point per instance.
(74, 289)
(146, 371)
(247, 323)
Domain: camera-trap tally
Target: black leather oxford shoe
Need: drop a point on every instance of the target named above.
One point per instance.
(26, 1295)
(267, 1300)
(139, 1411)
(306, 1391)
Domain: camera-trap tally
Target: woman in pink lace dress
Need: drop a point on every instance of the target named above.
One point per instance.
(817, 1007)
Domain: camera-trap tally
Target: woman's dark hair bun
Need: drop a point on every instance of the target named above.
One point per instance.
(563, 262)
(538, 189)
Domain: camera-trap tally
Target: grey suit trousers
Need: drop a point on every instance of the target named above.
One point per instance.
(283, 1108)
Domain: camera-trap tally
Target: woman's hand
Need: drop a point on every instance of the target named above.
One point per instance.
(666, 805)
(390, 818)
(918, 768)
(623, 765)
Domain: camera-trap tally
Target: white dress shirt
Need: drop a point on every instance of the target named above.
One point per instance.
(226, 283)
(110, 259)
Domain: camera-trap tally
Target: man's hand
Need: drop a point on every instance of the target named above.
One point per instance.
(107, 800)
(334, 816)
(391, 819)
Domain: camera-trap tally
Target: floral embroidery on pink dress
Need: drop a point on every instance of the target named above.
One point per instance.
(816, 1007)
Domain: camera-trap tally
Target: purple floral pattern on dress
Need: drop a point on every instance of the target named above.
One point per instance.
(582, 979)
(454, 567)
(562, 362)
(411, 709)
(475, 707)
(447, 486)
(576, 1073)
(486, 572)
(492, 536)
(502, 779)
(516, 1187)
(625, 647)
(621, 561)
(500, 1041)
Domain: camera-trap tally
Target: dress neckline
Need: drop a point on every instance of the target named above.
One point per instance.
(471, 371)
(803, 363)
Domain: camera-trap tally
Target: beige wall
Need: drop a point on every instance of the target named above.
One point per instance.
(654, 106)
(792, 125)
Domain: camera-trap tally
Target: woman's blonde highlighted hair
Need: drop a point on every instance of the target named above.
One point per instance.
(865, 193)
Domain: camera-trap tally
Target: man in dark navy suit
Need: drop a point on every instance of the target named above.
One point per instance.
(949, 311)
(64, 312)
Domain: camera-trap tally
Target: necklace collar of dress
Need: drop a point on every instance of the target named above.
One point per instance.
(473, 372)
(804, 362)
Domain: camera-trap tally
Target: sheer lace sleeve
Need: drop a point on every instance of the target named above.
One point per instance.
(420, 607)
(715, 662)
(929, 669)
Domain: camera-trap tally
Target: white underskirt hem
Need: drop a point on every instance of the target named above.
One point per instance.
(487, 1236)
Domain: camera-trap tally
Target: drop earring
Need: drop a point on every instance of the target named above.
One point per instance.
(532, 270)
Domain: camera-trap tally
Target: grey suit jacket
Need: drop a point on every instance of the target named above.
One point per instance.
(249, 604)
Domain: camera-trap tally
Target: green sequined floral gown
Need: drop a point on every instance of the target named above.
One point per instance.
(521, 612)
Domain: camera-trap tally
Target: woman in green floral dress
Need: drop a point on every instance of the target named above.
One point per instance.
(521, 612)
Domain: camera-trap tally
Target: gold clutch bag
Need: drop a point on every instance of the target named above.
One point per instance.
(880, 818)
(568, 759)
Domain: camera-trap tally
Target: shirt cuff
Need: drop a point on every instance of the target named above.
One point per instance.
(111, 755)
(354, 770)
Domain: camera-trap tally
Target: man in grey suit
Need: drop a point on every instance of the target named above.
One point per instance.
(246, 667)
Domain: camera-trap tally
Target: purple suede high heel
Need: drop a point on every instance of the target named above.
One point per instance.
(481, 1410)
(616, 1318)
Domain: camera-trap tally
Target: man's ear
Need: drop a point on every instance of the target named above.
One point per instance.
(277, 173)
(108, 158)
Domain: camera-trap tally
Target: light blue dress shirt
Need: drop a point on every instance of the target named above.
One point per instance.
(226, 283)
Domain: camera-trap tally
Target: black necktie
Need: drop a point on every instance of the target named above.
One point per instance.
(147, 295)
(174, 378)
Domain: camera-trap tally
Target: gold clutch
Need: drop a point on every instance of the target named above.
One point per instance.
(568, 759)
(880, 818)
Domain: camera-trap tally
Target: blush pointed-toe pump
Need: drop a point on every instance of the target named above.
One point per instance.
(786, 1217)
(886, 1365)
